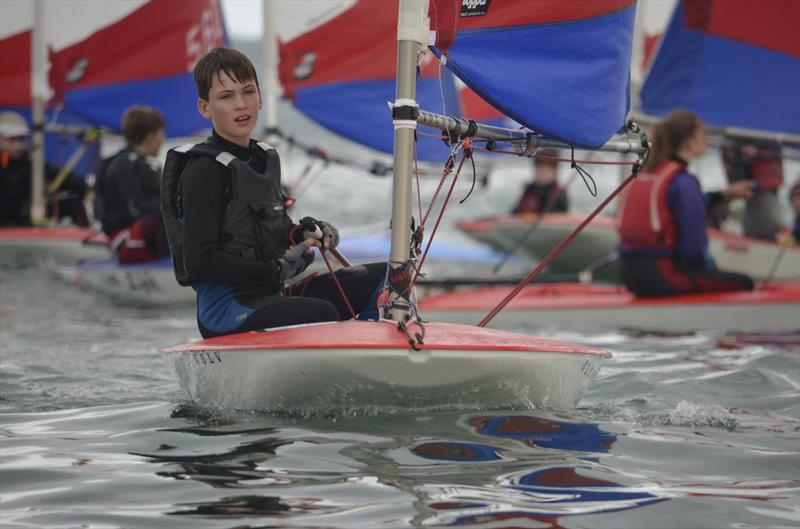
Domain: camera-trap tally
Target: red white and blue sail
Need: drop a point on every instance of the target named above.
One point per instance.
(105, 60)
(736, 63)
(342, 73)
(559, 67)
(145, 58)
(15, 78)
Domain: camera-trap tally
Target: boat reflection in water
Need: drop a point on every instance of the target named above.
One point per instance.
(437, 469)
(564, 484)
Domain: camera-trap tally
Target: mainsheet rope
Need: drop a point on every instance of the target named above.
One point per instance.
(336, 282)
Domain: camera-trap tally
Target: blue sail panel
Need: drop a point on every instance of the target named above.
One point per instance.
(728, 82)
(358, 111)
(175, 97)
(566, 77)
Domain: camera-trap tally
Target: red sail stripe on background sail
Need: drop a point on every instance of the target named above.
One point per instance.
(161, 39)
(445, 14)
(145, 58)
(774, 25)
(15, 70)
(735, 63)
(341, 74)
(357, 45)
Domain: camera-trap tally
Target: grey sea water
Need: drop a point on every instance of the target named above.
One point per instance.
(677, 431)
(687, 431)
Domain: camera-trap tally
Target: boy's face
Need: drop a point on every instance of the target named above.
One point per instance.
(232, 107)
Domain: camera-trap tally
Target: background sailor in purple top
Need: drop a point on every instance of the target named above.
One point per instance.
(676, 259)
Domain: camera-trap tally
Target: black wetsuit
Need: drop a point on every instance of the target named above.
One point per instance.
(15, 193)
(796, 230)
(236, 294)
(131, 189)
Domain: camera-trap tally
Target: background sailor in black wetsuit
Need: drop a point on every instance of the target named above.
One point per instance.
(128, 188)
(794, 198)
(759, 163)
(228, 229)
(543, 195)
(15, 179)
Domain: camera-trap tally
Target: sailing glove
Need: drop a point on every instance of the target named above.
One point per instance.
(295, 260)
(319, 229)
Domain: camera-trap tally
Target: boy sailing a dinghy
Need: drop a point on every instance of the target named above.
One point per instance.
(229, 234)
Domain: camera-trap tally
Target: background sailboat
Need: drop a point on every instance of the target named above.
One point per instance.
(103, 58)
(344, 84)
(734, 63)
(699, 63)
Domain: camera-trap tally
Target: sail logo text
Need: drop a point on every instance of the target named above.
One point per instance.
(203, 36)
(474, 8)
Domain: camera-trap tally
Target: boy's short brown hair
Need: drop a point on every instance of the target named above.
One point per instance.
(139, 121)
(233, 62)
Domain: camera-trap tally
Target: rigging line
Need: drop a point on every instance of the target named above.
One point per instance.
(448, 167)
(323, 252)
(468, 153)
(585, 161)
(774, 268)
(298, 190)
(555, 251)
(584, 175)
(441, 94)
(439, 219)
(416, 172)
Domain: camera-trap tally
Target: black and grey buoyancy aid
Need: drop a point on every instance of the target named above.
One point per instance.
(255, 224)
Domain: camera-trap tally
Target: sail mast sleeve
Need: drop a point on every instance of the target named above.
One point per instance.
(412, 32)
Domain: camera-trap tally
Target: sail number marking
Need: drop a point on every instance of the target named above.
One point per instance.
(207, 358)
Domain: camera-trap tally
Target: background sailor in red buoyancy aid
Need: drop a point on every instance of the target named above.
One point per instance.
(662, 218)
(543, 194)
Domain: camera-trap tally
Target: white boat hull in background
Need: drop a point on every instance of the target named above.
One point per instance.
(150, 284)
(733, 253)
(28, 247)
(754, 257)
(572, 306)
(361, 365)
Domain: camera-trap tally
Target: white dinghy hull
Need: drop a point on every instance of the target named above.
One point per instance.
(149, 284)
(28, 247)
(770, 308)
(362, 365)
(757, 258)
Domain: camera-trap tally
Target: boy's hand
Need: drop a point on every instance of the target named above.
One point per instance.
(295, 260)
(320, 230)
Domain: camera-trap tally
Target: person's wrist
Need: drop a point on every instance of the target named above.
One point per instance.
(284, 269)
